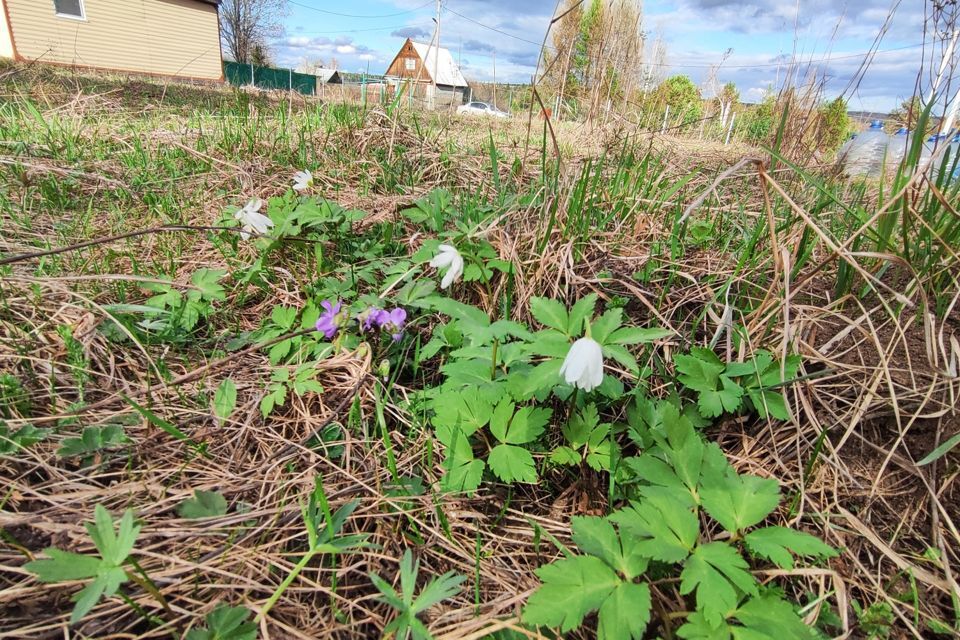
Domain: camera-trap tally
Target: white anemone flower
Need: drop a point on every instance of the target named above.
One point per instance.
(302, 180)
(583, 366)
(252, 221)
(448, 257)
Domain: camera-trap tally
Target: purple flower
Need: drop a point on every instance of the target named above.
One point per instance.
(368, 318)
(330, 320)
(392, 322)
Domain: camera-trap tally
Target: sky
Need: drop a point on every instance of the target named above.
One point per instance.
(501, 38)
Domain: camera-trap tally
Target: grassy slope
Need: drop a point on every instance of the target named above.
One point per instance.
(86, 158)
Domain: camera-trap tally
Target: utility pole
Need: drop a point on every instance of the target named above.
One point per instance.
(436, 58)
(494, 78)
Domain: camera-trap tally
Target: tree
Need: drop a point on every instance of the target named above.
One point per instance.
(907, 113)
(683, 98)
(834, 124)
(729, 97)
(247, 25)
(260, 55)
(597, 52)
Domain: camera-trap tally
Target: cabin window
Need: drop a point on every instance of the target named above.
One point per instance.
(411, 64)
(69, 8)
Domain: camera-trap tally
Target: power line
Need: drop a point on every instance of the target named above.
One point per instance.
(399, 26)
(351, 15)
(787, 62)
(486, 26)
(700, 65)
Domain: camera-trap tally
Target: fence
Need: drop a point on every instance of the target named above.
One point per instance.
(377, 90)
(241, 74)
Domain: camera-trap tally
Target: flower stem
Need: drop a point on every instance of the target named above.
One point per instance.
(300, 566)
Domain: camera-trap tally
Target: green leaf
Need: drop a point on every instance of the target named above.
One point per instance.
(113, 547)
(580, 311)
(205, 281)
(106, 583)
(463, 471)
(468, 409)
(550, 313)
(597, 537)
(716, 570)
(769, 616)
(550, 343)
(696, 374)
(203, 504)
(697, 628)
(63, 566)
(512, 464)
(651, 469)
(409, 604)
(577, 431)
(769, 403)
(638, 335)
(525, 426)
(284, 317)
(545, 375)
(500, 419)
(225, 399)
(625, 613)
(664, 523)
(740, 501)
(502, 329)
(940, 451)
(621, 355)
(226, 623)
(93, 440)
(605, 325)
(437, 590)
(599, 455)
(565, 456)
(26, 436)
(572, 588)
(157, 421)
(776, 543)
(752, 368)
(714, 403)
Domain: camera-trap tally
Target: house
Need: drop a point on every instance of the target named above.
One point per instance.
(327, 76)
(416, 62)
(162, 37)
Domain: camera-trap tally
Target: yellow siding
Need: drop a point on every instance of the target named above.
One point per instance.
(170, 37)
(6, 44)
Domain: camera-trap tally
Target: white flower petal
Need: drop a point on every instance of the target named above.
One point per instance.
(302, 180)
(583, 366)
(447, 279)
(442, 260)
(251, 220)
(450, 258)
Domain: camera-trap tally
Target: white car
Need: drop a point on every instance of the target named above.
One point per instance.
(481, 109)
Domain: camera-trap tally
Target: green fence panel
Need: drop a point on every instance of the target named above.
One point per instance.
(239, 74)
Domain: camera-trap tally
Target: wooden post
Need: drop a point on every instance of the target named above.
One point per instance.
(733, 119)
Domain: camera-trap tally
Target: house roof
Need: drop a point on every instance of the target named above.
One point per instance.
(448, 73)
(215, 3)
(327, 75)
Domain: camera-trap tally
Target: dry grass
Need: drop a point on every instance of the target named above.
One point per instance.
(878, 395)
